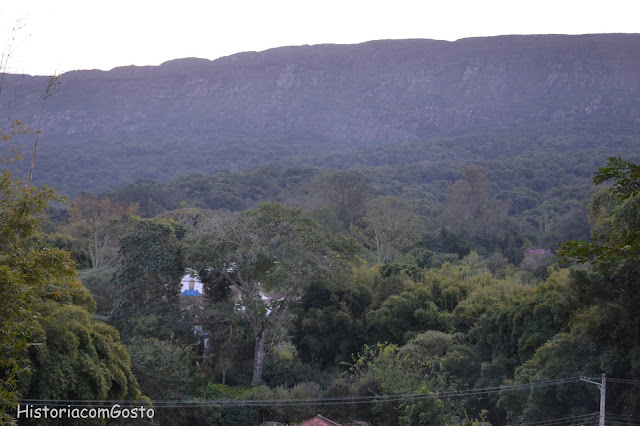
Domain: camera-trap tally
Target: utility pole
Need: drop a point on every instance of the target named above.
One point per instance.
(603, 394)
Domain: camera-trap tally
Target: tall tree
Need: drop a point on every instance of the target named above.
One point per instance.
(615, 232)
(73, 356)
(95, 223)
(329, 324)
(471, 210)
(392, 227)
(340, 196)
(50, 346)
(614, 249)
(148, 280)
(269, 250)
(26, 266)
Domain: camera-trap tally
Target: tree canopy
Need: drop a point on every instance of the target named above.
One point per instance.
(148, 281)
(268, 255)
(50, 346)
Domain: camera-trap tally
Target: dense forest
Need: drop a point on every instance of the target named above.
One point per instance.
(376, 293)
(467, 277)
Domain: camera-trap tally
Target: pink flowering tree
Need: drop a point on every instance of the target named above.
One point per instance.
(536, 261)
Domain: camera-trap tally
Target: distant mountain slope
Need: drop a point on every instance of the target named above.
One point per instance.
(260, 107)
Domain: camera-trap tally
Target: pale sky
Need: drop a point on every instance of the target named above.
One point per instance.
(64, 35)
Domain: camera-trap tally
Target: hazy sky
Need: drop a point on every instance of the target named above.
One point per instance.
(58, 36)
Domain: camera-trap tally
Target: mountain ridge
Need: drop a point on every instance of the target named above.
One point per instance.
(325, 97)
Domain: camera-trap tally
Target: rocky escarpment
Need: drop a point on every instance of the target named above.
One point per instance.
(284, 104)
(380, 91)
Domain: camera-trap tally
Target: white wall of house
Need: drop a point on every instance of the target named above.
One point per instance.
(186, 284)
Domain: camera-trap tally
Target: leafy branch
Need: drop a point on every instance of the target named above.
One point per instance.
(615, 244)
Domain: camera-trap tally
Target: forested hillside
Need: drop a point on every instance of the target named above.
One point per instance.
(298, 105)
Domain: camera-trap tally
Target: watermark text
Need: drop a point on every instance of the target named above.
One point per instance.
(116, 411)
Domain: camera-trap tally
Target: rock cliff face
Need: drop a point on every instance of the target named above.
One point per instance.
(376, 92)
(326, 105)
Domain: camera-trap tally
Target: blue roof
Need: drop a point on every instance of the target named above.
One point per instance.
(190, 293)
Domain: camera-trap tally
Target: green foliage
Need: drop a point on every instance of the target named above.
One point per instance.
(288, 413)
(599, 340)
(329, 324)
(391, 269)
(223, 191)
(269, 249)
(625, 174)
(614, 250)
(231, 345)
(166, 371)
(545, 183)
(163, 368)
(386, 369)
(449, 241)
(74, 356)
(508, 323)
(148, 280)
(229, 416)
(604, 325)
(470, 209)
(461, 323)
(27, 265)
(99, 283)
(458, 362)
(401, 316)
(615, 245)
(427, 412)
(462, 206)
(51, 346)
(289, 372)
(555, 359)
(386, 280)
(494, 326)
(343, 194)
(96, 223)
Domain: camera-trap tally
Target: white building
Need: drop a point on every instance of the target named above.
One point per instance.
(190, 285)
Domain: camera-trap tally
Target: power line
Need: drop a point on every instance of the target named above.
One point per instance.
(346, 400)
(621, 419)
(561, 421)
(627, 381)
(304, 401)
